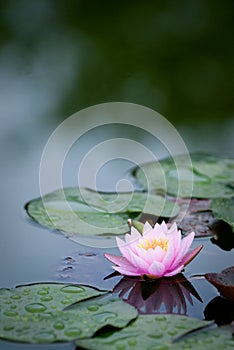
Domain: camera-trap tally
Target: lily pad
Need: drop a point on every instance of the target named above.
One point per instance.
(207, 176)
(223, 281)
(86, 212)
(217, 338)
(223, 209)
(46, 313)
(147, 332)
(218, 168)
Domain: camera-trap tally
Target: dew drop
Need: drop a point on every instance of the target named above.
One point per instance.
(10, 313)
(44, 337)
(26, 291)
(132, 341)
(207, 341)
(104, 316)
(43, 292)
(160, 318)
(46, 288)
(59, 325)
(15, 297)
(120, 347)
(73, 332)
(47, 314)
(65, 302)
(35, 307)
(156, 335)
(72, 289)
(172, 332)
(93, 308)
(181, 326)
(8, 328)
(47, 298)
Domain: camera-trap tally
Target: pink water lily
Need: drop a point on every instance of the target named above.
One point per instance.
(158, 252)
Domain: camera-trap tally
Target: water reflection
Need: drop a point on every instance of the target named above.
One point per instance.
(166, 295)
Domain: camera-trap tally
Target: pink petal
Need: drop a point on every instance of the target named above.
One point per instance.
(135, 235)
(184, 246)
(157, 254)
(138, 262)
(127, 238)
(174, 271)
(124, 266)
(186, 242)
(147, 228)
(175, 237)
(191, 255)
(156, 269)
(120, 242)
(151, 255)
(125, 271)
(164, 227)
(118, 260)
(169, 255)
(123, 248)
(173, 229)
(157, 229)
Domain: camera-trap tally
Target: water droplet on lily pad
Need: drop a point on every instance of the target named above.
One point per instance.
(72, 289)
(15, 297)
(10, 313)
(43, 292)
(47, 298)
(73, 332)
(44, 337)
(93, 308)
(104, 316)
(59, 325)
(8, 328)
(35, 307)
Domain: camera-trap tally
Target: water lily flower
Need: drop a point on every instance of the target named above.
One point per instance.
(158, 252)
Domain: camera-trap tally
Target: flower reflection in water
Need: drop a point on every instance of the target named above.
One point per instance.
(166, 295)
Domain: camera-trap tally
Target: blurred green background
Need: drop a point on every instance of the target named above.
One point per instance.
(176, 57)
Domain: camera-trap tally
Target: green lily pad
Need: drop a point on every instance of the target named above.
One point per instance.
(147, 332)
(223, 209)
(86, 212)
(218, 168)
(217, 338)
(207, 176)
(46, 313)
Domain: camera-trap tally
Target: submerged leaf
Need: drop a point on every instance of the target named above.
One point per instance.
(39, 313)
(86, 212)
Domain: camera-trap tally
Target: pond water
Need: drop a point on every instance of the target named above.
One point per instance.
(54, 63)
(30, 253)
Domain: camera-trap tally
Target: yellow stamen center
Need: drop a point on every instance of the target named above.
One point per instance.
(153, 243)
